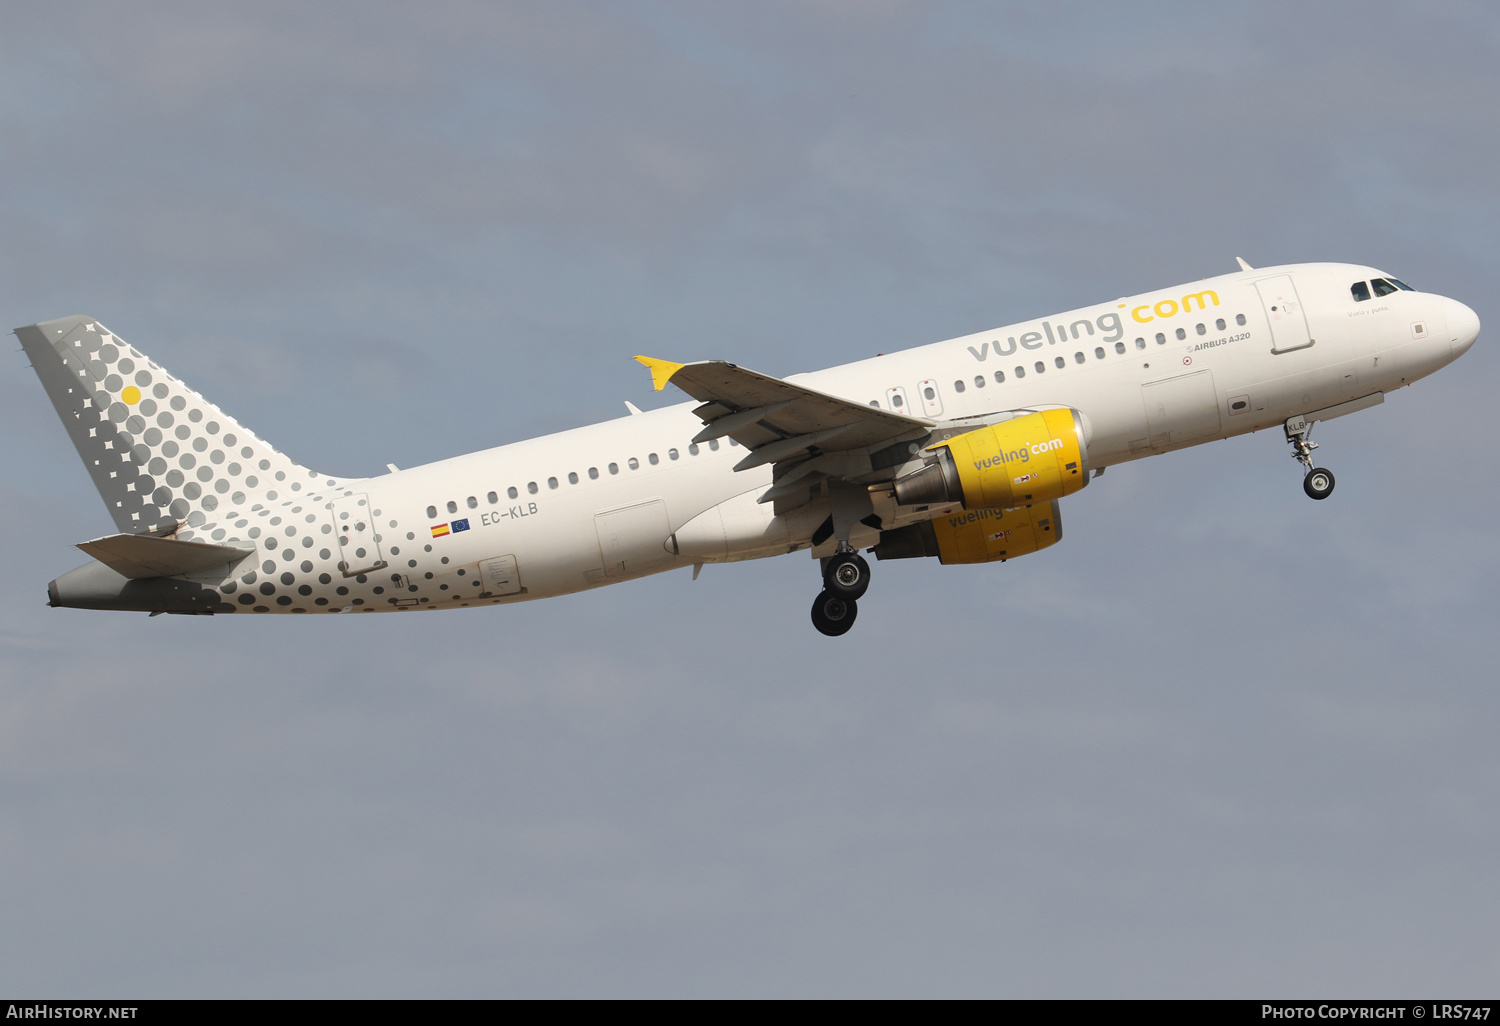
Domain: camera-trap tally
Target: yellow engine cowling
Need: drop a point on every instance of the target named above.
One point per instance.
(1035, 458)
(985, 535)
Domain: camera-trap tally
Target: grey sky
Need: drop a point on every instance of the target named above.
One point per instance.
(1221, 741)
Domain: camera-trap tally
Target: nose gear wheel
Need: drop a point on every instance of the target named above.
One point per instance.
(1318, 483)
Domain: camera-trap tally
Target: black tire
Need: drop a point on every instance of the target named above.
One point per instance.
(833, 615)
(847, 576)
(1318, 483)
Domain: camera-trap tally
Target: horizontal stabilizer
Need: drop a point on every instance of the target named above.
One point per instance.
(142, 555)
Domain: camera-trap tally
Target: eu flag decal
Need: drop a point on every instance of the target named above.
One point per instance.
(460, 525)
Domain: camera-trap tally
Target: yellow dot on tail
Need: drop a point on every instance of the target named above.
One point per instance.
(131, 395)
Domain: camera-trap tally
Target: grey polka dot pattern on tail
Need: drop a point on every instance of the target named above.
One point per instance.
(165, 459)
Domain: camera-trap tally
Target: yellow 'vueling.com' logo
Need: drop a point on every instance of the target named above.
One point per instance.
(1170, 307)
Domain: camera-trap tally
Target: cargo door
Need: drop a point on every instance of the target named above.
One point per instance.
(632, 539)
(1284, 310)
(1182, 409)
(354, 527)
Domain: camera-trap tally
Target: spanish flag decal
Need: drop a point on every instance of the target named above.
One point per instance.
(440, 530)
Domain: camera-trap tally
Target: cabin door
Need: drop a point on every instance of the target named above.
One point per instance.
(354, 527)
(1284, 310)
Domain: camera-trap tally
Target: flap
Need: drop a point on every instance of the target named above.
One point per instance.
(777, 420)
(144, 555)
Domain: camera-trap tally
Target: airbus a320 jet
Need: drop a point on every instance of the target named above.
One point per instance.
(959, 450)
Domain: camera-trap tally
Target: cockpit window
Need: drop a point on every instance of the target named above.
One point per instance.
(1360, 291)
(1382, 287)
(1401, 284)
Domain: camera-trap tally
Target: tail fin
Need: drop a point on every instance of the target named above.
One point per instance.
(160, 454)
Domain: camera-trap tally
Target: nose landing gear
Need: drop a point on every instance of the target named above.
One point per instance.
(1316, 481)
(845, 578)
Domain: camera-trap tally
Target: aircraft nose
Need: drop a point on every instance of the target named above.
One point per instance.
(1463, 325)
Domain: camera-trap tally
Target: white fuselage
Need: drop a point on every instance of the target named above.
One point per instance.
(1147, 374)
(586, 507)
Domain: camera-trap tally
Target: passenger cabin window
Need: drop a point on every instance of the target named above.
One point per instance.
(1181, 334)
(1239, 319)
(1020, 372)
(494, 497)
(1202, 328)
(473, 502)
(1099, 352)
(593, 473)
(531, 487)
(1219, 324)
(1360, 291)
(1382, 287)
(1120, 348)
(511, 491)
(693, 449)
(979, 381)
(1161, 338)
(431, 514)
(614, 468)
(1079, 357)
(633, 463)
(999, 377)
(452, 507)
(672, 454)
(572, 477)
(1140, 343)
(653, 459)
(1058, 362)
(713, 445)
(958, 386)
(552, 482)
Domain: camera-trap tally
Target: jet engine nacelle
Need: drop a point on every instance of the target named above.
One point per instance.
(1034, 458)
(977, 535)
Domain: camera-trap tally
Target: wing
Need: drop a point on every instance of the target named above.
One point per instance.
(802, 432)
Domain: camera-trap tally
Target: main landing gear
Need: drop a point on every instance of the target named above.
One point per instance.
(1316, 482)
(846, 577)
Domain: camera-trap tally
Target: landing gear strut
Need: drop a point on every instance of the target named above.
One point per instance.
(846, 576)
(1316, 482)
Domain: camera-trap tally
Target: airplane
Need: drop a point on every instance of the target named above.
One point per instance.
(959, 450)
